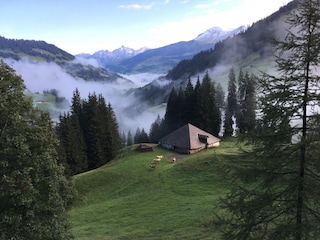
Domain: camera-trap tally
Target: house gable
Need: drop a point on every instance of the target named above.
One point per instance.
(189, 139)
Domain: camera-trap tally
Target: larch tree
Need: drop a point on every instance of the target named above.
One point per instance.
(34, 192)
(277, 195)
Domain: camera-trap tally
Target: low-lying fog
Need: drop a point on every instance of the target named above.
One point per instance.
(39, 77)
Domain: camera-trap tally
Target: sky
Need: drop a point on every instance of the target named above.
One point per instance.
(87, 26)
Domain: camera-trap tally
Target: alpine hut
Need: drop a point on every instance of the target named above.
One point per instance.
(189, 139)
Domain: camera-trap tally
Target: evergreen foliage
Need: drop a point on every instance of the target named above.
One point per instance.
(196, 105)
(34, 192)
(89, 134)
(256, 39)
(141, 136)
(232, 105)
(13, 47)
(155, 130)
(277, 194)
(129, 139)
(220, 95)
(246, 114)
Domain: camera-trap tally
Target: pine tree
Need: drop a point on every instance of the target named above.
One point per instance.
(136, 136)
(231, 108)
(143, 137)
(246, 114)
(172, 113)
(112, 131)
(123, 140)
(208, 110)
(197, 103)
(220, 96)
(155, 131)
(250, 105)
(189, 113)
(34, 192)
(129, 139)
(278, 193)
(93, 133)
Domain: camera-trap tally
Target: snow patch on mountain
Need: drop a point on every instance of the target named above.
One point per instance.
(216, 34)
(114, 56)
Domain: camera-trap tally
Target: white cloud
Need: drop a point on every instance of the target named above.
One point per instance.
(210, 16)
(137, 6)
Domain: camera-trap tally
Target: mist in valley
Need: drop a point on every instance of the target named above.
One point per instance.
(43, 76)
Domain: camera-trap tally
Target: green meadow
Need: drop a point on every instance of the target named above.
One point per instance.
(125, 199)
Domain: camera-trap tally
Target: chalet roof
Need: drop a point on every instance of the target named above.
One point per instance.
(188, 137)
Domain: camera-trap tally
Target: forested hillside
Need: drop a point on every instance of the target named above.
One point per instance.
(42, 52)
(256, 39)
(18, 48)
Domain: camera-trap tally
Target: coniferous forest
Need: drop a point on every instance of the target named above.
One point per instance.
(89, 134)
(273, 190)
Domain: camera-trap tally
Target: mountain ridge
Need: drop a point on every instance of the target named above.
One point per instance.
(159, 60)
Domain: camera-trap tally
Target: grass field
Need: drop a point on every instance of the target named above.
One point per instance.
(125, 199)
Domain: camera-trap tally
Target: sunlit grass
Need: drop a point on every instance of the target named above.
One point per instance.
(125, 199)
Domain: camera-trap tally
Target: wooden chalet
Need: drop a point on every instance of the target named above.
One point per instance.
(189, 139)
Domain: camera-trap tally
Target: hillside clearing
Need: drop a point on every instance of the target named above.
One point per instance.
(125, 199)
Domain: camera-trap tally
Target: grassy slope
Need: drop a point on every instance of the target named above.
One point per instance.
(125, 199)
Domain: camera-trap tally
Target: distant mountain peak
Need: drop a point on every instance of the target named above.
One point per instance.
(216, 34)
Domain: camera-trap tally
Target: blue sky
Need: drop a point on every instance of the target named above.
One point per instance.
(86, 26)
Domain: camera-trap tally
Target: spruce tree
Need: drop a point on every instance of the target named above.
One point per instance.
(155, 131)
(129, 139)
(136, 136)
(197, 103)
(220, 96)
(208, 111)
(188, 115)
(231, 108)
(277, 194)
(34, 192)
(112, 130)
(246, 114)
(172, 113)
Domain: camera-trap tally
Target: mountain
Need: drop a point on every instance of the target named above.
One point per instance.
(159, 60)
(245, 49)
(249, 50)
(36, 50)
(107, 58)
(216, 34)
(40, 52)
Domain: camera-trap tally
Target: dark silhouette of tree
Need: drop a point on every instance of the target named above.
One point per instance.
(246, 114)
(277, 193)
(137, 135)
(141, 136)
(231, 108)
(155, 131)
(220, 96)
(196, 105)
(208, 111)
(171, 118)
(89, 133)
(129, 139)
(123, 140)
(189, 113)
